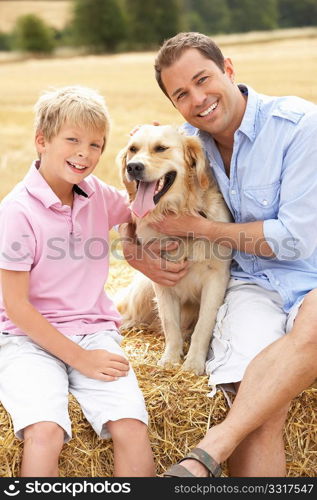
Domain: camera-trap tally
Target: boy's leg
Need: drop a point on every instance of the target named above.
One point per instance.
(36, 405)
(116, 406)
(278, 374)
(43, 442)
(132, 451)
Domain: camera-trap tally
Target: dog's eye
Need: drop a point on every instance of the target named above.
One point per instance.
(132, 149)
(160, 149)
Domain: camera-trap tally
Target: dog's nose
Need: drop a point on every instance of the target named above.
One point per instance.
(135, 170)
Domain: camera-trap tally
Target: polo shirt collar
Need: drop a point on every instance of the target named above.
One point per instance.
(38, 187)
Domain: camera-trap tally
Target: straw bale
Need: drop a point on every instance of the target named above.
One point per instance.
(180, 414)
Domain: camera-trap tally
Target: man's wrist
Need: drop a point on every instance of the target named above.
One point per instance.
(129, 249)
(206, 229)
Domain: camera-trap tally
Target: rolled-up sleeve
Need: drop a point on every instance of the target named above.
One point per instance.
(293, 235)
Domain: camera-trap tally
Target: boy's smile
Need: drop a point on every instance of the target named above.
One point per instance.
(69, 157)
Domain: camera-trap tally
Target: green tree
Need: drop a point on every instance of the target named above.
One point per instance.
(297, 13)
(5, 41)
(98, 24)
(192, 21)
(208, 16)
(250, 15)
(141, 23)
(167, 19)
(151, 22)
(31, 34)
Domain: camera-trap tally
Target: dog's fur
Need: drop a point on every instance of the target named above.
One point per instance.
(192, 304)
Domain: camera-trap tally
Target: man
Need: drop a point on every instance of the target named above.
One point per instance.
(263, 154)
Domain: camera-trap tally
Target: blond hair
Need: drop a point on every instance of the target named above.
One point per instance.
(75, 104)
(173, 48)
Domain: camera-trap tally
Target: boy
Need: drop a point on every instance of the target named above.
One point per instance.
(58, 327)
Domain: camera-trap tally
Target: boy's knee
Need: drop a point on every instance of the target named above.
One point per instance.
(48, 434)
(124, 427)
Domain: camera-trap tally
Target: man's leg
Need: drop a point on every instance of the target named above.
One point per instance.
(273, 378)
(262, 452)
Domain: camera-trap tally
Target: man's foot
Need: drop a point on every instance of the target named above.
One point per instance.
(198, 463)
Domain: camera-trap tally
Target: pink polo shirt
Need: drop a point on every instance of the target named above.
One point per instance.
(65, 249)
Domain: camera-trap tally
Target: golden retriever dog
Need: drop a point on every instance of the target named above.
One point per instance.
(165, 171)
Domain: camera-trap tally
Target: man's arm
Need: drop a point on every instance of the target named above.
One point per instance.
(147, 259)
(247, 237)
(98, 363)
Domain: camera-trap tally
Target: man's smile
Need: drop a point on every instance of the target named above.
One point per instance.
(208, 110)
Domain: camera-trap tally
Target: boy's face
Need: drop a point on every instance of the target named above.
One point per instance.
(205, 96)
(69, 156)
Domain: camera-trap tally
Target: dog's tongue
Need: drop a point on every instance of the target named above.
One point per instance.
(143, 202)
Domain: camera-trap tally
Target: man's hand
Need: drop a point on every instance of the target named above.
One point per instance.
(101, 365)
(148, 261)
(148, 258)
(136, 128)
(183, 225)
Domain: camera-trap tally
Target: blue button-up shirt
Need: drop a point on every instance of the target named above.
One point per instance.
(273, 177)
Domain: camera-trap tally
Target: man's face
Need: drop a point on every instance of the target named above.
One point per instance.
(206, 97)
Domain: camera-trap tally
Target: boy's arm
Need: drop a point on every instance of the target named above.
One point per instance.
(98, 363)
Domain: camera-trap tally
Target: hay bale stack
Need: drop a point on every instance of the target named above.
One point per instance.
(180, 414)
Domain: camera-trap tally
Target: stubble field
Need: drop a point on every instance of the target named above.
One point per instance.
(133, 97)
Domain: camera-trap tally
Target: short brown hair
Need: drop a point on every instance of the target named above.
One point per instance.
(173, 48)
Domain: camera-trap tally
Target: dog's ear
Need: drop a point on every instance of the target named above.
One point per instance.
(196, 159)
(121, 161)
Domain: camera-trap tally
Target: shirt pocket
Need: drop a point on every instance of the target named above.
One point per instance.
(262, 202)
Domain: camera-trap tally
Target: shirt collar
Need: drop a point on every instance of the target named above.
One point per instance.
(38, 187)
(248, 124)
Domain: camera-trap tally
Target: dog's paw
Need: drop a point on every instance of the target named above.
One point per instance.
(169, 359)
(195, 365)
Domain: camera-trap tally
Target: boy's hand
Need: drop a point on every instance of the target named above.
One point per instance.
(102, 365)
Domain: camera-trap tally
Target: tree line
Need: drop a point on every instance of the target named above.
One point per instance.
(122, 25)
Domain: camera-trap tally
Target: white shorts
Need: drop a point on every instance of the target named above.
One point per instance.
(34, 386)
(250, 319)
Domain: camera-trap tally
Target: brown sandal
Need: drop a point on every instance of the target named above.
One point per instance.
(202, 457)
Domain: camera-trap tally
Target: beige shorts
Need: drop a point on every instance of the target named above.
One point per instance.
(250, 319)
(34, 386)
